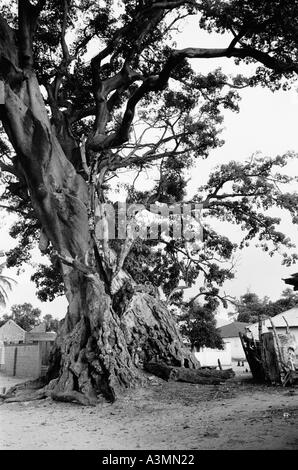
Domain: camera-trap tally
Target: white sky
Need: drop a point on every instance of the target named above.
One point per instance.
(267, 122)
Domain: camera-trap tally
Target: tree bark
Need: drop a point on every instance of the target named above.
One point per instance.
(108, 346)
(109, 332)
(105, 338)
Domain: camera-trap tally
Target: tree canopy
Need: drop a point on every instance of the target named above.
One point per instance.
(25, 315)
(198, 325)
(250, 307)
(127, 83)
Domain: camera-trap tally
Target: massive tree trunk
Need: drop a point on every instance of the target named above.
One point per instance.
(108, 347)
(112, 326)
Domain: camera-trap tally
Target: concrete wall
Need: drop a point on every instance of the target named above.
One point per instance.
(22, 360)
(237, 352)
(209, 357)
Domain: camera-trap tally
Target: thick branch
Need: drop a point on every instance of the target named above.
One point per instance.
(66, 57)
(220, 197)
(102, 89)
(159, 82)
(270, 62)
(28, 16)
(142, 160)
(171, 5)
(223, 298)
(9, 60)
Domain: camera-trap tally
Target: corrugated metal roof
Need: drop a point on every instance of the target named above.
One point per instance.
(290, 315)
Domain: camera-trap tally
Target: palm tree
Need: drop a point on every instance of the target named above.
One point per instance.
(5, 285)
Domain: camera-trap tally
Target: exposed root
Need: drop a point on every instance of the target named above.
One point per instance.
(104, 352)
(24, 387)
(27, 396)
(31, 391)
(74, 397)
(26, 391)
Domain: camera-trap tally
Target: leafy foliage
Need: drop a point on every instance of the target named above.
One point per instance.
(266, 26)
(177, 117)
(52, 324)
(25, 315)
(5, 285)
(250, 307)
(198, 325)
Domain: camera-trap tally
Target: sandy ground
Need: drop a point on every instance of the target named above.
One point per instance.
(167, 416)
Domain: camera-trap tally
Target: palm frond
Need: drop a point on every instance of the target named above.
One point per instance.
(3, 296)
(6, 282)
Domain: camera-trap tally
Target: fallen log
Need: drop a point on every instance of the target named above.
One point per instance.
(182, 374)
(222, 374)
(161, 370)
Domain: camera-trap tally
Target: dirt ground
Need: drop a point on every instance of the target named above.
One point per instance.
(167, 416)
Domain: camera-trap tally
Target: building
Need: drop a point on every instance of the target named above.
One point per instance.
(45, 339)
(230, 334)
(39, 333)
(208, 357)
(10, 332)
(22, 353)
(280, 321)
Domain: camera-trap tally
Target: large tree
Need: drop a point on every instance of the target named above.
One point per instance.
(52, 324)
(198, 325)
(75, 123)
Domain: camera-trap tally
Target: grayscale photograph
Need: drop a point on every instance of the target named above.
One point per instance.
(148, 228)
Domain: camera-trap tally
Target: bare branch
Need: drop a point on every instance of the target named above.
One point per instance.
(220, 197)
(223, 298)
(143, 159)
(9, 168)
(13, 209)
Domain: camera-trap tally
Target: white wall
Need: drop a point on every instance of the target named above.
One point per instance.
(237, 352)
(209, 357)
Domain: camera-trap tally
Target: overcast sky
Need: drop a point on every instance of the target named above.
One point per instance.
(267, 122)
